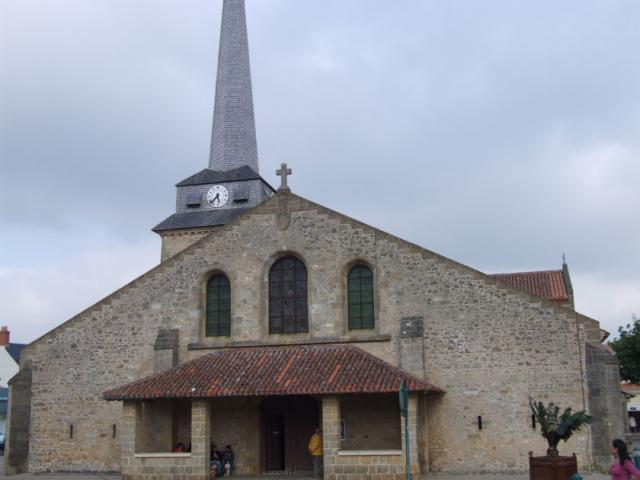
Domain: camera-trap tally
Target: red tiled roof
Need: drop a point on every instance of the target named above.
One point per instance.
(278, 370)
(547, 284)
(631, 388)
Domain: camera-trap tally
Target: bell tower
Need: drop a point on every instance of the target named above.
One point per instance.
(232, 183)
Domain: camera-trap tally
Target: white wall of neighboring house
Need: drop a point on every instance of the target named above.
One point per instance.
(634, 403)
(8, 367)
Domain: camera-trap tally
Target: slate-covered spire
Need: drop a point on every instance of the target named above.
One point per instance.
(232, 184)
(233, 137)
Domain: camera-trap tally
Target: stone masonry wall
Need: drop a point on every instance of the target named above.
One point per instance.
(411, 425)
(236, 422)
(138, 465)
(489, 346)
(175, 241)
(182, 426)
(423, 433)
(18, 420)
(157, 426)
(371, 422)
(608, 406)
(330, 435)
(341, 463)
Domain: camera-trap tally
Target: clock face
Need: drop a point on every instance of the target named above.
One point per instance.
(218, 196)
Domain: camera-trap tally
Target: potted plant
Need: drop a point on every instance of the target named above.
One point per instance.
(555, 426)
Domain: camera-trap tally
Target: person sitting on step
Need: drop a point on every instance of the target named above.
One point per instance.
(228, 460)
(217, 468)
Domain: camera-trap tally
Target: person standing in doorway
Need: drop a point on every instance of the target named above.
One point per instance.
(632, 423)
(315, 450)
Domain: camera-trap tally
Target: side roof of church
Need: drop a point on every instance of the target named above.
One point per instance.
(548, 284)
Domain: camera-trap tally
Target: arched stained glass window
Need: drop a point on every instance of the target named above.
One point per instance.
(360, 298)
(218, 307)
(288, 312)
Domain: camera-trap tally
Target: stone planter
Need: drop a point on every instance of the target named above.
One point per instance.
(552, 467)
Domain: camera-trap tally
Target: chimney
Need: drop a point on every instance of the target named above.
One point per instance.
(4, 336)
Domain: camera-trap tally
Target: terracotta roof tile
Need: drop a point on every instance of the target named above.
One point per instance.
(631, 388)
(279, 370)
(546, 284)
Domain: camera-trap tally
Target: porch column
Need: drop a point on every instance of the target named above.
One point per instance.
(423, 433)
(130, 430)
(413, 434)
(330, 434)
(201, 436)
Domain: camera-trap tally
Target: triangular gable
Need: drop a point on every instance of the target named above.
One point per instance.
(284, 203)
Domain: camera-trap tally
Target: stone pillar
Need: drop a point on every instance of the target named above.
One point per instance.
(330, 434)
(130, 431)
(605, 403)
(413, 434)
(411, 345)
(423, 434)
(165, 350)
(16, 453)
(201, 437)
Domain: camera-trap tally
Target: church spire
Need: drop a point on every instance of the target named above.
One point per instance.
(232, 184)
(233, 136)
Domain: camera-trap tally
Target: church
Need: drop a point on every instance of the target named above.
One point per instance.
(270, 316)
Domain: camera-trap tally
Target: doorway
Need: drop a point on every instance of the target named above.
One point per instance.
(275, 452)
(288, 423)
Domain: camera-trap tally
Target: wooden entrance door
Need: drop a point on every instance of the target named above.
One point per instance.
(288, 423)
(275, 454)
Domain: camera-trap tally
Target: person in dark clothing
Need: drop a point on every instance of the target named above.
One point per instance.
(228, 460)
(179, 448)
(216, 461)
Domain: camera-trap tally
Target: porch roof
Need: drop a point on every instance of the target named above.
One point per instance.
(274, 370)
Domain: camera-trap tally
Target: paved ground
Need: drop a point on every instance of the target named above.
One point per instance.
(434, 477)
(586, 476)
(74, 476)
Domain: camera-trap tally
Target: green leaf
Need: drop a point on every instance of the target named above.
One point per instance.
(627, 348)
(555, 426)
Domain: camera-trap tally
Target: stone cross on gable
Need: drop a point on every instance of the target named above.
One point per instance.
(283, 173)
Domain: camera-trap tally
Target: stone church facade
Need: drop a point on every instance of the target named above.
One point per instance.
(271, 315)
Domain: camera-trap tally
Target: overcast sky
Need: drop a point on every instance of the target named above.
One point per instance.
(500, 134)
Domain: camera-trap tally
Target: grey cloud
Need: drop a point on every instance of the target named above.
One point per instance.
(497, 133)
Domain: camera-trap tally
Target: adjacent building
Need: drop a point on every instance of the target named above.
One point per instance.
(9, 366)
